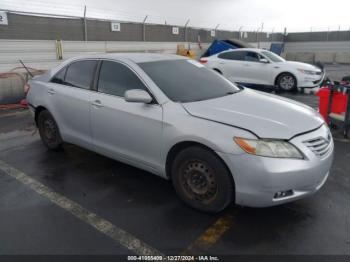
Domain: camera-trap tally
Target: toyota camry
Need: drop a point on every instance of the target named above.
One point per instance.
(175, 118)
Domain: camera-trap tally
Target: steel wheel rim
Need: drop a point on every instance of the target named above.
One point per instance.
(199, 182)
(50, 131)
(287, 82)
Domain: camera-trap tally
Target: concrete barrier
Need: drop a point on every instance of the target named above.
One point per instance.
(327, 57)
(342, 58)
(305, 57)
(290, 56)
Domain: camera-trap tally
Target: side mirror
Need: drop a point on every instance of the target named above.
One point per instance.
(264, 61)
(137, 96)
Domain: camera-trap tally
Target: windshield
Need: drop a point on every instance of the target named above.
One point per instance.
(273, 57)
(187, 80)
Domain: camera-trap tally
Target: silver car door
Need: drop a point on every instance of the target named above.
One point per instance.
(69, 100)
(123, 130)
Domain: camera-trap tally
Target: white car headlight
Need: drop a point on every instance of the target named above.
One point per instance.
(269, 148)
(307, 72)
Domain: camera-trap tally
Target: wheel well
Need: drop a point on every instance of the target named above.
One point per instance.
(183, 145)
(37, 112)
(217, 70)
(296, 80)
(176, 149)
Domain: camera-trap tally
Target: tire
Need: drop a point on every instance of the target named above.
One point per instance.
(201, 180)
(286, 82)
(49, 132)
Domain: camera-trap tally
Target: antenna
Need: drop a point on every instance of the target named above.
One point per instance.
(26, 68)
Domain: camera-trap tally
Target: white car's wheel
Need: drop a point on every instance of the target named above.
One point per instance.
(286, 82)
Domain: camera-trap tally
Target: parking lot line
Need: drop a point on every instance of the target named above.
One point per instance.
(212, 235)
(119, 235)
(344, 140)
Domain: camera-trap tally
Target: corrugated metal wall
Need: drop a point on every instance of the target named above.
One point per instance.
(41, 54)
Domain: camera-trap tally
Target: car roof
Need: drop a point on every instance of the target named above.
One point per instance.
(134, 57)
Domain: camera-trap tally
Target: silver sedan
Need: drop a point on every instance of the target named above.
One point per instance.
(217, 143)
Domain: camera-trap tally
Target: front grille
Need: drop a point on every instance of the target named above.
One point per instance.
(320, 146)
(319, 73)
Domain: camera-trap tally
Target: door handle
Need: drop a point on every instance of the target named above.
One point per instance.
(51, 91)
(97, 103)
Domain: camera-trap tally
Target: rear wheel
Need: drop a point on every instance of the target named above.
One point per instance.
(49, 132)
(201, 180)
(286, 82)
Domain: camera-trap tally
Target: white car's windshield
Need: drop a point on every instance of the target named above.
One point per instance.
(187, 80)
(273, 57)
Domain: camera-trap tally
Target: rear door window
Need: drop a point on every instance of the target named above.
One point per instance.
(116, 78)
(237, 55)
(80, 74)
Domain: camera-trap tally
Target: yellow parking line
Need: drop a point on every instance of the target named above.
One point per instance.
(212, 235)
(119, 235)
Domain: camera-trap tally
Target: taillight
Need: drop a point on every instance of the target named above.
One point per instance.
(203, 61)
(26, 88)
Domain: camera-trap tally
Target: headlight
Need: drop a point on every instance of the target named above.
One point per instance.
(269, 148)
(307, 72)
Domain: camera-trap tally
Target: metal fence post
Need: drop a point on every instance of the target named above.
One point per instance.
(85, 29)
(216, 28)
(144, 28)
(239, 32)
(186, 29)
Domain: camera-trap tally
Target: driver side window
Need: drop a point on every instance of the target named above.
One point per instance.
(115, 78)
(252, 57)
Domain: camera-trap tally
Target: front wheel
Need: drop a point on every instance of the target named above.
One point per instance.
(287, 82)
(202, 180)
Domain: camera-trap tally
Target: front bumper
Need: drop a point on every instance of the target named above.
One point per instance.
(258, 179)
(309, 81)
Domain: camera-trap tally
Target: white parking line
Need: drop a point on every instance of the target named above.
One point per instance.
(341, 140)
(119, 235)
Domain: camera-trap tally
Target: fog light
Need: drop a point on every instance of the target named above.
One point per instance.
(283, 194)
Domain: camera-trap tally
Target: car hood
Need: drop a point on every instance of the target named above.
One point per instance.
(304, 66)
(265, 115)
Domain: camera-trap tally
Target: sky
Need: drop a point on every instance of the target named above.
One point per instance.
(246, 15)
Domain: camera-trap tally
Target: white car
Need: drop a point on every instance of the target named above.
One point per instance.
(257, 67)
